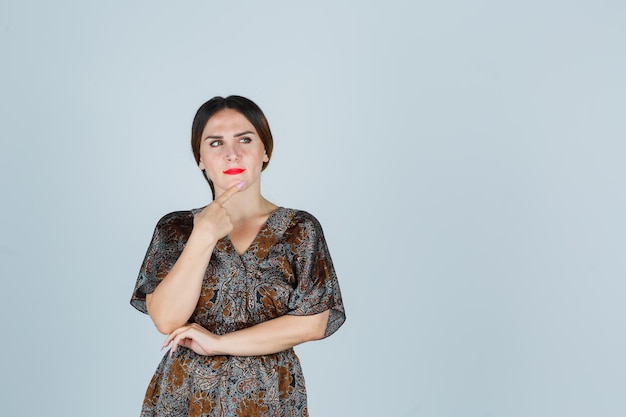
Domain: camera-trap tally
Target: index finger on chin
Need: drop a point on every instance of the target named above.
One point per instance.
(226, 195)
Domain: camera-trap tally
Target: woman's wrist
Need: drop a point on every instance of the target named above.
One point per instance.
(203, 240)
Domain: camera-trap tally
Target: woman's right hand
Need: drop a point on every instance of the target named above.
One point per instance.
(213, 219)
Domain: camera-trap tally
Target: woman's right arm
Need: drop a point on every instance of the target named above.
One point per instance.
(175, 298)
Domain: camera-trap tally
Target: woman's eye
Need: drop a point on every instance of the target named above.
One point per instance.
(215, 143)
(245, 140)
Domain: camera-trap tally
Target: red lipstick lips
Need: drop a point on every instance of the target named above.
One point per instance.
(234, 171)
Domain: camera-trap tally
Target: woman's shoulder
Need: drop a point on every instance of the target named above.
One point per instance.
(295, 215)
(299, 219)
(176, 222)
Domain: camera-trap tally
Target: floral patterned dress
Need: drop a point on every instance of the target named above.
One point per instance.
(286, 270)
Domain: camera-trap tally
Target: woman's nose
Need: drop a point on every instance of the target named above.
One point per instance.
(232, 154)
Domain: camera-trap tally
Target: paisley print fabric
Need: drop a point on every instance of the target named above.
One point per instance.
(286, 270)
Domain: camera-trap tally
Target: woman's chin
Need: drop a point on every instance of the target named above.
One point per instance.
(228, 184)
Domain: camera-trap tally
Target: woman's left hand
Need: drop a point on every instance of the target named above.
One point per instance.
(194, 337)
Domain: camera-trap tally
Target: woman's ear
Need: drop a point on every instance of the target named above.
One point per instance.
(266, 158)
(201, 165)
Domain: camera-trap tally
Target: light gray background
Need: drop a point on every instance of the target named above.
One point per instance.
(466, 159)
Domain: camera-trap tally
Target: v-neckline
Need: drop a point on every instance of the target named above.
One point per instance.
(264, 226)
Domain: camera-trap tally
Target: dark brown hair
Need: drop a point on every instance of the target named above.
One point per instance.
(247, 108)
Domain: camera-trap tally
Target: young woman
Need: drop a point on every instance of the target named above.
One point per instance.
(237, 284)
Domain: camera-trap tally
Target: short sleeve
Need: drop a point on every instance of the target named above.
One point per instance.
(317, 286)
(168, 240)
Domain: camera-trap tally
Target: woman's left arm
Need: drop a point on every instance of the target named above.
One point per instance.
(265, 338)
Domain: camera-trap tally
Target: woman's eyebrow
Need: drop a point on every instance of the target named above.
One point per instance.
(247, 132)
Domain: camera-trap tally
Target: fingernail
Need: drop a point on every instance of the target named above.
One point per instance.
(241, 185)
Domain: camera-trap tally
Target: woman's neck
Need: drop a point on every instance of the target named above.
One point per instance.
(248, 204)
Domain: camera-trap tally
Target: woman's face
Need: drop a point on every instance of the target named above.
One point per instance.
(231, 150)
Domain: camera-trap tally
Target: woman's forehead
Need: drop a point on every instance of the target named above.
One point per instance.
(228, 121)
